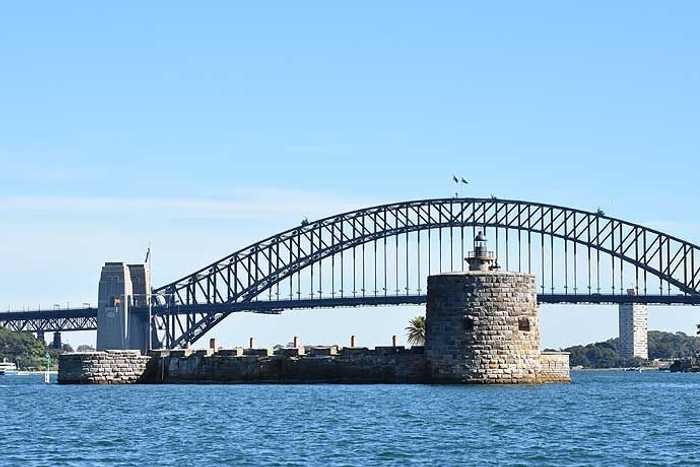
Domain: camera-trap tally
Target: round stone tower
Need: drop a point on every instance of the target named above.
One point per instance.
(482, 326)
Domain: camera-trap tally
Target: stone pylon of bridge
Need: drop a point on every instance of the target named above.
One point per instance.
(633, 323)
(122, 289)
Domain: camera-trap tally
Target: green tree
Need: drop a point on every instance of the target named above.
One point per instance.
(22, 348)
(416, 331)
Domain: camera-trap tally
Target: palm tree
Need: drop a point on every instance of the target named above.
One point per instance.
(416, 331)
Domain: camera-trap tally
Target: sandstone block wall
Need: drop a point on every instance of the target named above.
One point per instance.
(383, 365)
(349, 365)
(482, 327)
(107, 367)
(554, 367)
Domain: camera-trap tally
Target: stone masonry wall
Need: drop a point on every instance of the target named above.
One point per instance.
(383, 365)
(106, 367)
(349, 365)
(288, 366)
(554, 367)
(483, 327)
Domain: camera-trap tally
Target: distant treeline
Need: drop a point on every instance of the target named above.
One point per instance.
(26, 351)
(665, 345)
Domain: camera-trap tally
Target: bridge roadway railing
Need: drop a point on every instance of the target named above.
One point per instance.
(85, 319)
(66, 319)
(278, 306)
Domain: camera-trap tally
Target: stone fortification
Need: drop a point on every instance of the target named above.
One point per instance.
(382, 365)
(348, 365)
(108, 367)
(483, 327)
(289, 366)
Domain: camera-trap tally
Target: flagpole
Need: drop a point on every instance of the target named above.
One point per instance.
(149, 330)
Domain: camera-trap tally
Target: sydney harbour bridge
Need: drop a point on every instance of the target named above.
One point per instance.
(382, 255)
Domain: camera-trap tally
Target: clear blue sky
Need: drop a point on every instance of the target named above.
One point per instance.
(204, 128)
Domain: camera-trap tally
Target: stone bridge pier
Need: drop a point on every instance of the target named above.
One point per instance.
(123, 288)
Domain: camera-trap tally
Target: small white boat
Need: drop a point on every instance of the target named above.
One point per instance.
(7, 368)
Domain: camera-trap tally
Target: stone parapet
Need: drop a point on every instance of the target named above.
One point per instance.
(290, 352)
(321, 351)
(257, 352)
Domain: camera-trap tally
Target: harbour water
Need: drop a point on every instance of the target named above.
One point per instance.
(603, 418)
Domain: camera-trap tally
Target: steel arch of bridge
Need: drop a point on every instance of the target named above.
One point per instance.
(582, 236)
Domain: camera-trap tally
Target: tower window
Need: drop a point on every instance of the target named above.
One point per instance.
(523, 324)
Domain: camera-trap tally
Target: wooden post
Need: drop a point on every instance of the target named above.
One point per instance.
(353, 342)
(295, 342)
(394, 341)
(251, 343)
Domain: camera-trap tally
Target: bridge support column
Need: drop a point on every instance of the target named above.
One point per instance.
(155, 340)
(633, 324)
(114, 294)
(124, 294)
(40, 336)
(56, 344)
(137, 335)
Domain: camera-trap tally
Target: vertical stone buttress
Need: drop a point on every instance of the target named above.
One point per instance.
(482, 327)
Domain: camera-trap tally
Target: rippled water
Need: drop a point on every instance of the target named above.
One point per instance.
(609, 418)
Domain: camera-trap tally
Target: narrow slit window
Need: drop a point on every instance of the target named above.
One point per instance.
(523, 324)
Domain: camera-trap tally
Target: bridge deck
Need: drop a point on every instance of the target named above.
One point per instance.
(83, 319)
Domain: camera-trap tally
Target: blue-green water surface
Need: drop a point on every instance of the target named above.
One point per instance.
(604, 418)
